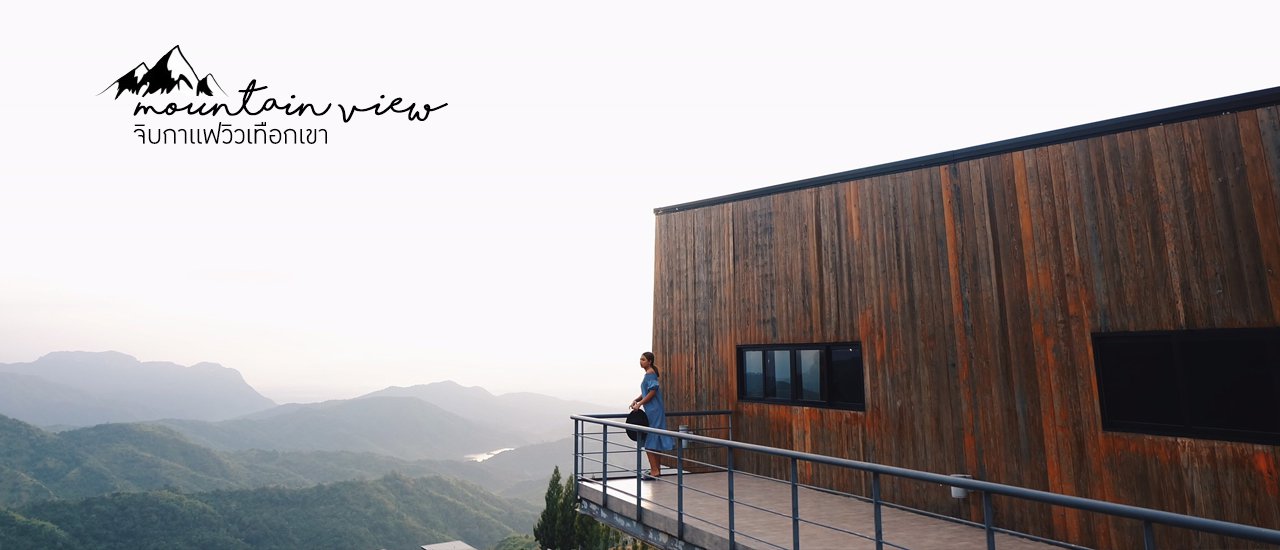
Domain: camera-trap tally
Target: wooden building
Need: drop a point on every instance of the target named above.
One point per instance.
(1090, 311)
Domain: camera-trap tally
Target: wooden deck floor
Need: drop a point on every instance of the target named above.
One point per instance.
(706, 516)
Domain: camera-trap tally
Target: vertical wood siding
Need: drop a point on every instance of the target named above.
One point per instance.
(974, 288)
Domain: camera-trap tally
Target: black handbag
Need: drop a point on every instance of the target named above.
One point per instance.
(637, 417)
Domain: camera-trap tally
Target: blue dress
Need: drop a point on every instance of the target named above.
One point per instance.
(657, 414)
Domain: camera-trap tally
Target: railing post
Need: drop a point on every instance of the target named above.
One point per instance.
(729, 470)
(1148, 536)
(604, 459)
(987, 520)
(639, 476)
(577, 472)
(875, 503)
(680, 489)
(795, 504)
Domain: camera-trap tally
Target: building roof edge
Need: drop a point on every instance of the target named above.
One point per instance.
(1169, 115)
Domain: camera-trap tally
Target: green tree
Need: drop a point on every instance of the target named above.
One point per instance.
(561, 527)
(549, 531)
(517, 542)
(20, 533)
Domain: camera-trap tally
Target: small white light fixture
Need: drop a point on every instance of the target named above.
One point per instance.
(960, 492)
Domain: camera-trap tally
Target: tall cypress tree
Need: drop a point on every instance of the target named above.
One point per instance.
(548, 529)
(561, 527)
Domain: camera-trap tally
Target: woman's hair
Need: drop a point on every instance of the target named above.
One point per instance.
(649, 355)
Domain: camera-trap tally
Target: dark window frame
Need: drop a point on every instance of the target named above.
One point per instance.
(1188, 418)
(797, 380)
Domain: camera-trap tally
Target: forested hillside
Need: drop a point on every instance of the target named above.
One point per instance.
(402, 427)
(36, 465)
(382, 471)
(392, 512)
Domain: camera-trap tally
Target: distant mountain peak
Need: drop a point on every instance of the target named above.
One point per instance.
(114, 387)
(450, 384)
(109, 356)
(542, 417)
(443, 387)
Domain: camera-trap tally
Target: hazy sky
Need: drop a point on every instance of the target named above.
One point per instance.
(507, 242)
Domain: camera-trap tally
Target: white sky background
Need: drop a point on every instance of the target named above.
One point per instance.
(508, 241)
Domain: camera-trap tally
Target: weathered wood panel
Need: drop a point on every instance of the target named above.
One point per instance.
(906, 254)
(974, 288)
(673, 306)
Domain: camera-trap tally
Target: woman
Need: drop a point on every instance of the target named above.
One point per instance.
(651, 399)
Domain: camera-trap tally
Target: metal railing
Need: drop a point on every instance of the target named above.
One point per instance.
(607, 424)
(581, 457)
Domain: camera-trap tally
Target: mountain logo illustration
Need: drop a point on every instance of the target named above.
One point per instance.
(171, 73)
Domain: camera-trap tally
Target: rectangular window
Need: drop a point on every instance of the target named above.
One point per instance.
(753, 375)
(819, 375)
(1208, 384)
(778, 364)
(846, 377)
(810, 374)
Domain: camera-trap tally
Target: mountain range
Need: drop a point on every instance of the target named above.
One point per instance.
(84, 388)
(401, 427)
(155, 425)
(213, 406)
(538, 418)
(36, 465)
